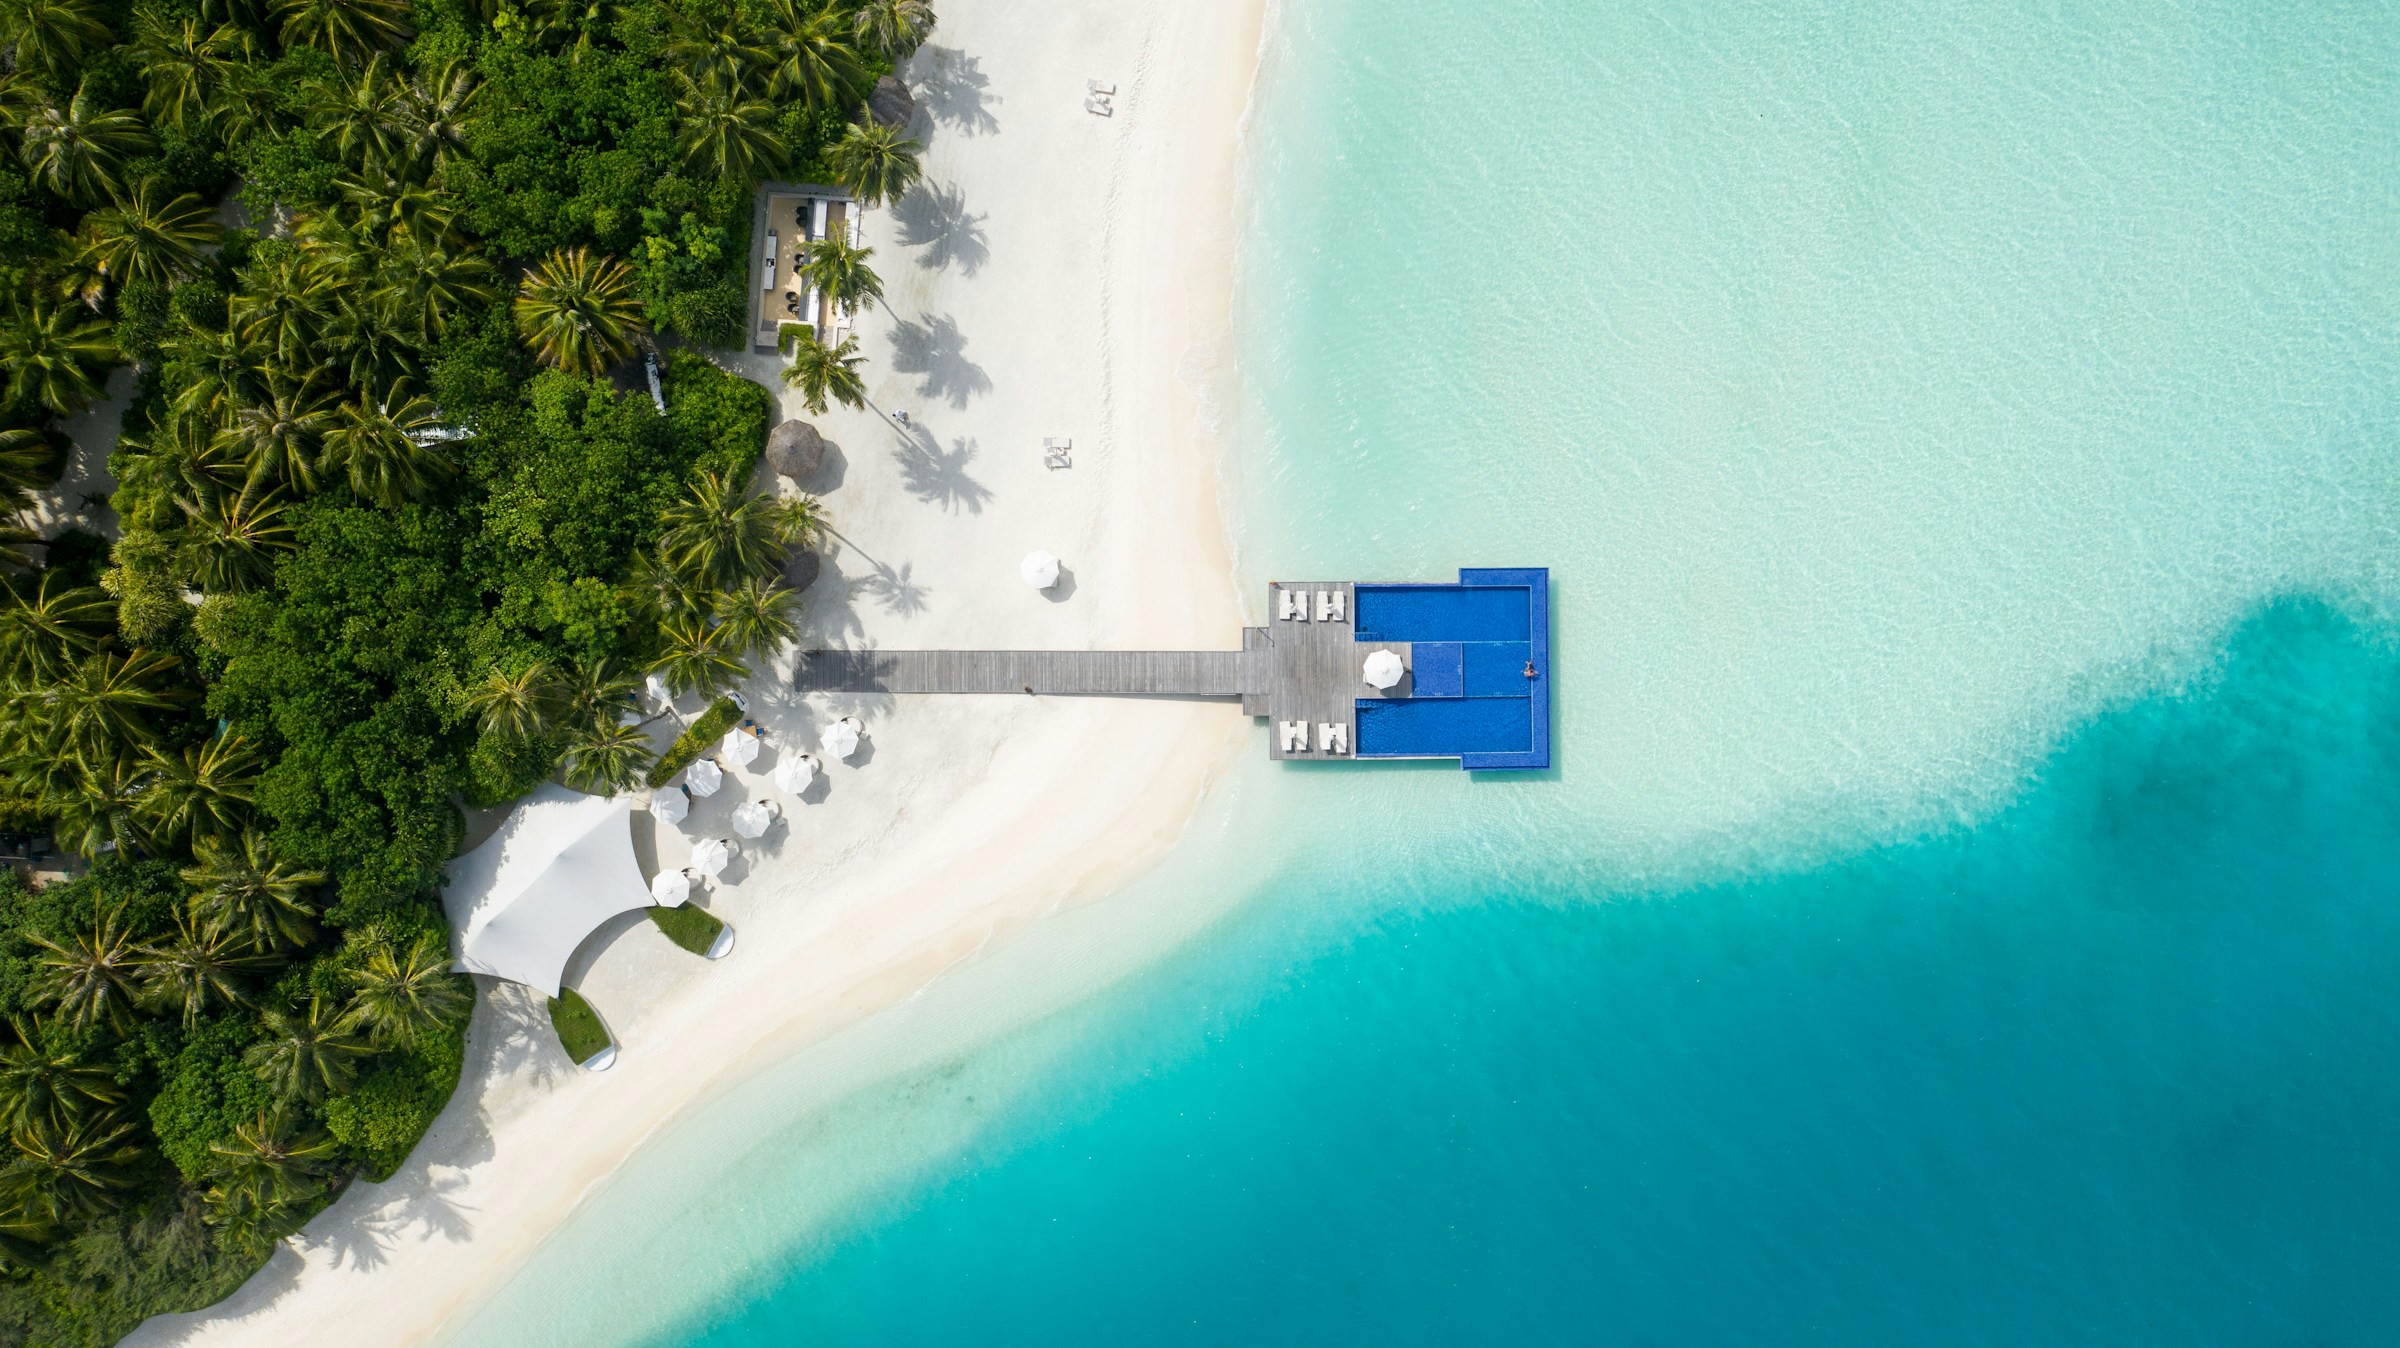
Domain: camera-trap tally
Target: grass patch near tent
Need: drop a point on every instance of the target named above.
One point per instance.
(705, 730)
(690, 926)
(579, 1029)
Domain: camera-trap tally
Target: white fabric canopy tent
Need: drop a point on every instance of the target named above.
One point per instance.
(560, 866)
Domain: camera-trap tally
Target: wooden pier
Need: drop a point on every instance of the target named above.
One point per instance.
(1301, 671)
(1197, 674)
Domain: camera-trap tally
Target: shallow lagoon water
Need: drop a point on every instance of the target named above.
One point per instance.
(1965, 444)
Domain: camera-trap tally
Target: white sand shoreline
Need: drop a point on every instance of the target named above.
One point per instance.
(968, 818)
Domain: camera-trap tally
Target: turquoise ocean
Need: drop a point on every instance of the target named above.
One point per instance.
(1965, 439)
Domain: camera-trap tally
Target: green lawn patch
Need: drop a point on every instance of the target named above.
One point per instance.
(579, 1029)
(706, 729)
(691, 926)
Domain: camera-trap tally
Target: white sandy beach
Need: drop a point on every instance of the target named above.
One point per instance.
(1061, 274)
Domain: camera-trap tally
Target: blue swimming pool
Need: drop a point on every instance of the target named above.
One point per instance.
(1479, 687)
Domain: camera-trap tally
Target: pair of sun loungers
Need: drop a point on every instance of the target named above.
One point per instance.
(1332, 737)
(1096, 96)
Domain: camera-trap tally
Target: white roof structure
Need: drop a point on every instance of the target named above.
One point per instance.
(560, 866)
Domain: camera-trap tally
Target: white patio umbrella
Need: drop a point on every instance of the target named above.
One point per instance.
(670, 888)
(795, 772)
(841, 738)
(670, 804)
(1039, 569)
(710, 855)
(739, 747)
(750, 819)
(703, 777)
(1383, 669)
(656, 687)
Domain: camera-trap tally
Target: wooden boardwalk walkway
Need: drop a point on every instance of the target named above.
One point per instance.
(1125, 673)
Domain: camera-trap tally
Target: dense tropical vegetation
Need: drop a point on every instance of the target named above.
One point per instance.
(397, 530)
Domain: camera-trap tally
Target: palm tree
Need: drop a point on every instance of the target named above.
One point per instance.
(516, 707)
(93, 800)
(877, 162)
(801, 520)
(31, 458)
(282, 301)
(382, 448)
(726, 133)
(809, 47)
(102, 705)
(90, 976)
(39, 1082)
(51, 36)
(306, 1054)
(661, 591)
(826, 373)
(78, 148)
(221, 370)
(270, 1164)
(578, 312)
(599, 692)
(200, 968)
(606, 758)
(425, 283)
(45, 633)
(367, 346)
(404, 995)
(243, 890)
(727, 53)
(201, 791)
(759, 615)
(66, 1169)
(437, 113)
(693, 658)
(278, 435)
(720, 535)
(838, 269)
(349, 30)
(148, 235)
(893, 29)
(231, 538)
(54, 355)
(360, 115)
(184, 62)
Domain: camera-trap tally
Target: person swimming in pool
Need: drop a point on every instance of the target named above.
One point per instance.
(1530, 671)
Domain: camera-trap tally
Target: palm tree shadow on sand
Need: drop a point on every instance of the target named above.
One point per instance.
(936, 219)
(954, 91)
(934, 348)
(938, 476)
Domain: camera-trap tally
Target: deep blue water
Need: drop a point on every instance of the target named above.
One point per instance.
(2120, 1066)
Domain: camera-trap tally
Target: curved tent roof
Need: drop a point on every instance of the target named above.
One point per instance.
(560, 866)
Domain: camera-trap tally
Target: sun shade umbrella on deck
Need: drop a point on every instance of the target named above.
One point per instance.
(1039, 569)
(669, 804)
(670, 888)
(795, 772)
(751, 818)
(704, 777)
(1383, 669)
(740, 747)
(710, 855)
(841, 738)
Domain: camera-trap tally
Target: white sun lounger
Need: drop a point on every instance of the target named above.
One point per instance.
(1099, 87)
(1098, 106)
